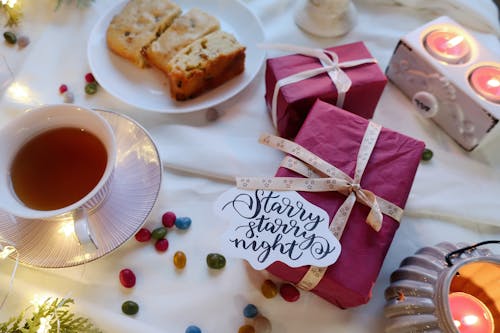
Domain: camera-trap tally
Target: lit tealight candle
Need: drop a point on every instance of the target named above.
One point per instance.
(486, 82)
(469, 314)
(448, 46)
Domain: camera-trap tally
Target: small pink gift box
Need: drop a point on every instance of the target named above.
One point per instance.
(335, 136)
(294, 100)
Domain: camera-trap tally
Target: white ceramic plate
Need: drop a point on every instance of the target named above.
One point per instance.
(147, 88)
(134, 190)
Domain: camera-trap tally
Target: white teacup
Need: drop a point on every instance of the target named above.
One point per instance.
(56, 163)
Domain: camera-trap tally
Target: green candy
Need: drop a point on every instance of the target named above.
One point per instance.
(159, 233)
(91, 88)
(130, 307)
(216, 261)
(10, 37)
(427, 154)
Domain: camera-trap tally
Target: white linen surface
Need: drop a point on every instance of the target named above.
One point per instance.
(479, 15)
(455, 196)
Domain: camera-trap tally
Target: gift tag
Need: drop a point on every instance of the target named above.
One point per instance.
(268, 226)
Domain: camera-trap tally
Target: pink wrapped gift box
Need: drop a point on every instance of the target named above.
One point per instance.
(335, 136)
(295, 100)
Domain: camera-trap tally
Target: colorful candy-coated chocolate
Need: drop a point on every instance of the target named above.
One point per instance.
(216, 261)
(161, 245)
(269, 289)
(427, 155)
(183, 223)
(180, 260)
(68, 97)
(212, 114)
(63, 88)
(130, 307)
(250, 311)
(23, 41)
(193, 329)
(143, 235)
(91, 88)
(10, 37)
(159, 233)
(168, 219)
(262, 325)
(127, 278)
(246, 329)
(89, 78)
(289, 292)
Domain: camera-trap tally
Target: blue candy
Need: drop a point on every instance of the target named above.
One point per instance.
(183, 222)
(250, 311)
(193, 329)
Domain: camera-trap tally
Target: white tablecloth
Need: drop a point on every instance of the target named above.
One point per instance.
(455, 197)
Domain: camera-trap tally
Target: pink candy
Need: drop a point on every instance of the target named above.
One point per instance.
(127, 278)
(168, 219)
(289, 292)
(143, 235)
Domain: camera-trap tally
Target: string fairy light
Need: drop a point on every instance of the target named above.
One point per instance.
(5, 252)
(10, 3)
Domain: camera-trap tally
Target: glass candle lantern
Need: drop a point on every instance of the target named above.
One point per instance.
(445, 288)
(448, 45)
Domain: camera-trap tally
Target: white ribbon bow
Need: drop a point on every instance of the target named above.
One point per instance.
(331, 65)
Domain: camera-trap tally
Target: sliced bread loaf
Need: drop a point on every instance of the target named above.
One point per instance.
(185, 29)
(138, 24)
(205, 64)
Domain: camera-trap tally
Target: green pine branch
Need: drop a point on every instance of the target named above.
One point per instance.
(14, 14)
(58, 311)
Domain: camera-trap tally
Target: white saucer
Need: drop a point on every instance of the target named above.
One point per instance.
(134, 190)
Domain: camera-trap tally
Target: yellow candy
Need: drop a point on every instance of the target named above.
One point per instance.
(269, 289)
(246, 329)
(180, 259)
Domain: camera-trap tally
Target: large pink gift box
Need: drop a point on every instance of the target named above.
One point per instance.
(335, 135)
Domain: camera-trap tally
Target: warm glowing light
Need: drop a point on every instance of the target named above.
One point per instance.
(494, 83)
(454, 41)
(7, 251)
(486, 82)
(447, 46)
(470, 320)
(67, 228)
(38, 301)
(19, 92)
(44, 325)
(469, 314)
(10, 3)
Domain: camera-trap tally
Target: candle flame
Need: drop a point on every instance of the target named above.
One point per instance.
(454, 41)
(494, 83)
(471, 320)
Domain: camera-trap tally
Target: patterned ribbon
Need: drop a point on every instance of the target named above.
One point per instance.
(322, 176)
(331, 65)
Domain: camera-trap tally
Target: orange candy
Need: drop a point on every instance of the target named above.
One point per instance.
(269, 289)
(180, 260)
(246, 329)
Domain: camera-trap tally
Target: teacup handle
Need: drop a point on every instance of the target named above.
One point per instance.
(83, 231)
